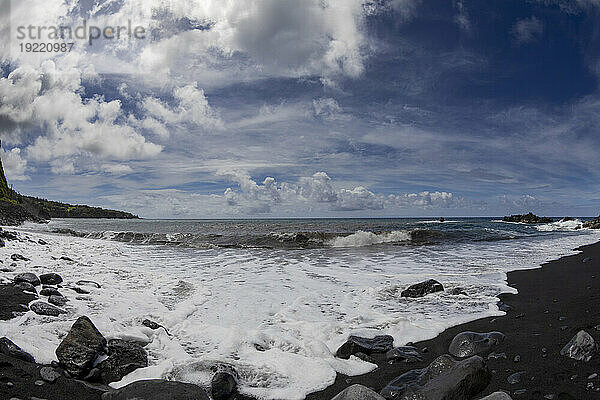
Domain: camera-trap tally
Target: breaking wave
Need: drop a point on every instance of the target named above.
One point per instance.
(273, 240)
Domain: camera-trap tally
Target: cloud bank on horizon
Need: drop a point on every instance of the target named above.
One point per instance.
(308, 108)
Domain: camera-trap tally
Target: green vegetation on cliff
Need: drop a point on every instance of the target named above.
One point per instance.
(16, 208)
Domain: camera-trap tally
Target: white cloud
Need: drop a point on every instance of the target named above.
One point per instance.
(45, 107)
(116, 169)
(527, 30)
(317, 192)
(192, 108)
(14, 166)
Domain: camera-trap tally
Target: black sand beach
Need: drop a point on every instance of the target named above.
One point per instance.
(553, 304)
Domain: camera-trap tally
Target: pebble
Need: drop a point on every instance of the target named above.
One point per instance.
(550, 396)
(564, 327)
(515, 378)
(593, 376)
(517, 358)
(39, 383)
(519, 392)
(496, 356)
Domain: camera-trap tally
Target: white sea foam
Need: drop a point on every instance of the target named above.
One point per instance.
(276, 316)
(361, 238)
(561, 225)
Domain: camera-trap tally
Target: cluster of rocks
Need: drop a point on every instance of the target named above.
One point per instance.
(460, 375)
(85, 354)
(529, 218)
(592, 224)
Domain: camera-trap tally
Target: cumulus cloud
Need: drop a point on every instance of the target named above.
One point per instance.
(317, 192)
(527, 30)
(191, 108)
(15, 167)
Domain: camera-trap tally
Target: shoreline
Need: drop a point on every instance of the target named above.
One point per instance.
(546, 301)
(525, 334)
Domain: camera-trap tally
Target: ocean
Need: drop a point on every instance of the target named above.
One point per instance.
(276, 298)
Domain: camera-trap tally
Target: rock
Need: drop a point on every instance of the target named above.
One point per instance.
(467, 344)
(422, 289)
(528, 219)
(581, 347)
(356, 344)
(27, 277)
(224, 383)
(50, 292)
(42, 242)
(66, 259)
(51, 279)
(18, 257)
(445, 378)
(59, 301)
(49, 374)
(43, 308)
(407, 354)
(358, 392)
(7, 347)
(497, 396)
(458, 291)
(79, 290)
(587, 260)
(593, 224)
(157, 389)
(515, 378)
(26, 287)
(88, 283)
(153, 325)
(124, 357)
(80, 348)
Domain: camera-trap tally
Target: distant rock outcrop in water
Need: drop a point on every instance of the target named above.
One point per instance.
(530, 218)
(593, 224)
(16, 208)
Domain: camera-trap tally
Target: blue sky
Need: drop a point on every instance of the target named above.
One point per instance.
(339, 108)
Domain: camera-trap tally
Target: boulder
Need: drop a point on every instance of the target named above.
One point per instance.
(445, 378)
(26, 287)
(157, 389)
(358, 392)
(357, 344)
(27, 277)
(467, 344)
(407, 354)
(50, 279)
(8, 348)
(43, 308)
(581, 347)
(80, 348)
(59, 301)
(422, 289)
(529, 218)
(50, 291)
(497, 396)
(224, 383)
(124, 357)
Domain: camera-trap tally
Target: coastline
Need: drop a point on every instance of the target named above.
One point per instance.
(562, 292)
(526, 335)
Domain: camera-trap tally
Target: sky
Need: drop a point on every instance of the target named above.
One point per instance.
(307, 108)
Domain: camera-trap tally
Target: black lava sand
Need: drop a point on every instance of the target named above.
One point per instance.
(553, 304)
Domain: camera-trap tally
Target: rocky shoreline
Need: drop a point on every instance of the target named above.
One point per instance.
(544, 348)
